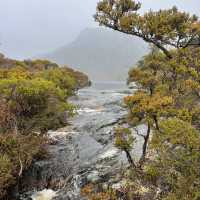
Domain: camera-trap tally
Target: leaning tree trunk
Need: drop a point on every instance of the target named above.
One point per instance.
(156, 123)
(145, 145)
(129, 157)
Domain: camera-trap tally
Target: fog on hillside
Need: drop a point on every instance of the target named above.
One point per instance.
(65, 31)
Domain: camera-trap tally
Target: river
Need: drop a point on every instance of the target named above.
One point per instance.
(83, 152)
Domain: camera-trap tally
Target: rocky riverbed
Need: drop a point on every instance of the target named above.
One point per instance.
(83, 152)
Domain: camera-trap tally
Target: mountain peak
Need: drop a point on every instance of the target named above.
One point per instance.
(102, 53)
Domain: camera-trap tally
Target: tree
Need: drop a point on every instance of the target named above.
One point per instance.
(156, 78)
(61, 78)
(35, 94)
(30, 103)
(162, 28)
(124, 141)
(146, 109)
(167, 99)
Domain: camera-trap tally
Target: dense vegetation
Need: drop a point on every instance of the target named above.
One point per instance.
(167, 101)
(33, 99)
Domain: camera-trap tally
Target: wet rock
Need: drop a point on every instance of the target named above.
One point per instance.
(119, 185)
(93, 177)
(44, 195)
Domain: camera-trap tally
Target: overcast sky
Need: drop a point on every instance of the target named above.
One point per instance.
(33, 27)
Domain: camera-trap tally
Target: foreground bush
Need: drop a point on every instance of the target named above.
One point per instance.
(33, 99)
(16, 154)
(32, 102)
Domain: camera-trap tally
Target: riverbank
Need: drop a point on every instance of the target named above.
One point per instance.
(33, 99)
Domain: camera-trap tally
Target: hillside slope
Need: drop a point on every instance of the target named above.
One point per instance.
(101, 53)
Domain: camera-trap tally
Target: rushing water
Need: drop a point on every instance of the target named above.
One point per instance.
(46, 194)
(84, 151)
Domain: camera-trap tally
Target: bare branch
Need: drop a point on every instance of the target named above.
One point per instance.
(21, 166)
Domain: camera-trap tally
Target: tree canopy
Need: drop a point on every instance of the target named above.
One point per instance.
(163, 28)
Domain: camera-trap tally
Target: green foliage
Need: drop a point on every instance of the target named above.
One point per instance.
(61, 78)
(169, 27)
(6, 177)
(172, 77)
(144, 107)
(178, 158)
(167, 100)
(35, 94)
(28, 99)
(33, 99)
(16, 154)
(124, 139)
(151, 173)
(92, 192)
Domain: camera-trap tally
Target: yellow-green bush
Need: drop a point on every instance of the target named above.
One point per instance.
(16, 155)
(33, 99)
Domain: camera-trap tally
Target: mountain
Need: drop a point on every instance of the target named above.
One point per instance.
(101, 53)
